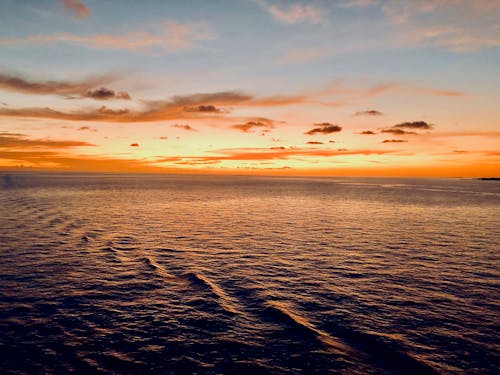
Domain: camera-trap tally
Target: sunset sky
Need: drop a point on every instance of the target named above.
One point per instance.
(327, 87)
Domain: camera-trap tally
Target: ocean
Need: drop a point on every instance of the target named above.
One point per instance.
(110, 273)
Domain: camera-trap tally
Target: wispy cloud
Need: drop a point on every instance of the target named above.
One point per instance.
(396, 131)
(451, 24)
(79, 9)
(201, 105)
(184, 127)
(59, 160)
(83, 88)
(176, 108)
(369, 112)
(173, 36)
(294, 13)
(14, 140)
(244, 154)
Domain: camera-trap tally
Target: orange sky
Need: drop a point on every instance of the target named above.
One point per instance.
(302, 89)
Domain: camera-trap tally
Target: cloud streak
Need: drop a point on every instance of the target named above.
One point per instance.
(83, 88)
(14, 140)
(418, 125)
(295, 13)
(370, 112)
(184, 127)
(79, 9)
(397, 131)
(394, 141)
(279, 153)
(172, 37)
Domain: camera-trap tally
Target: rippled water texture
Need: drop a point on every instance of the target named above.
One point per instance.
(198, 274)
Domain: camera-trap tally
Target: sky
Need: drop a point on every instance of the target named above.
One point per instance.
(326, 87)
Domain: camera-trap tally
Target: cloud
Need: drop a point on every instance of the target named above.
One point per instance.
(393, 141)
(452, 24)
(15, 140)
(164, 138)
(134, 145)
(314, 143)
(420, 125)
(105, 94)
(324, 128)
(55, 160)
(185, 127)
(88, 128)
(79, 9)
(367, 132)
(295, 13)
(397, 131)
(173, 36)
(247, 154)
(176, 108)
(370, 112)
(356, 3)
(255, 123)
(193, 106)
(205, 108)
(63, 88)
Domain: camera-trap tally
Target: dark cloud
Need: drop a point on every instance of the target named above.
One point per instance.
(14, 140)
(393, 141)
(164, 138)
(112, 112)
(314, 143)
(185, 127)
(367, 132)
(134, 145)
(260, 123)
(88, 128)
(278, 148)
(14, 83)
(209, 99)
(397, 131)
(206, 108)
(176, 108)
(105, 94)
(79, 9)
(324, 128)
(418, 125)
(370, 112)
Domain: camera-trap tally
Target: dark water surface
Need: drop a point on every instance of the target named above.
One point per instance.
(199, 274)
